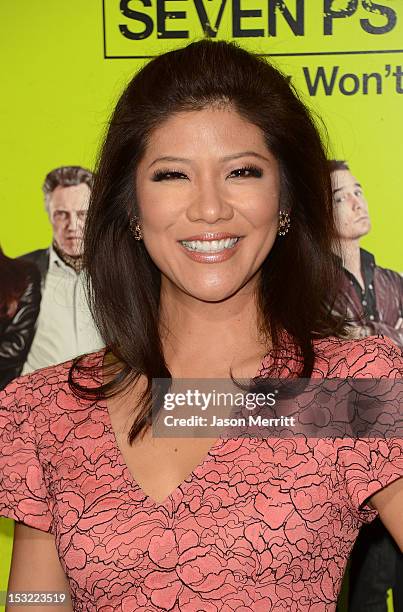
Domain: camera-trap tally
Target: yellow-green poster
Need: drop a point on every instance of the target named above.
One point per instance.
(64, 64)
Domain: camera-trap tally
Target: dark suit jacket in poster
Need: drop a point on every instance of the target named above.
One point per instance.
(41, 259)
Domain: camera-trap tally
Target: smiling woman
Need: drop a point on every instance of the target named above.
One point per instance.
(216, 203)
(200, 147)
(208, 247)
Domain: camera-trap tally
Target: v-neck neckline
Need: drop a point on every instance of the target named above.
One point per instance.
(130, 478)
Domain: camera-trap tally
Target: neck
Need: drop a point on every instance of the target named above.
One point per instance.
(350, 252)
(73, 261)
(210, 337)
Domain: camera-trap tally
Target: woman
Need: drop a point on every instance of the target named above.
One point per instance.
(20, 299)
(208, 248)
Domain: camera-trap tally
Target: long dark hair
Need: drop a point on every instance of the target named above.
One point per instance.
(14, 278)
(299, 276)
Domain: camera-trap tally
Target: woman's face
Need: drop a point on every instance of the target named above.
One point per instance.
(208, 197)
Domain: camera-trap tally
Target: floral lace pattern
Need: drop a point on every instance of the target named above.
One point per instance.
(262, 525)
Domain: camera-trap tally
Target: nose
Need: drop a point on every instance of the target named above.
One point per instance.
(356, 202)
(209, 203)
(73, 223)
(70, 223)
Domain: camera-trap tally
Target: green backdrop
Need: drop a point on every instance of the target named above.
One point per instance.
(64, 64)
(58, 90)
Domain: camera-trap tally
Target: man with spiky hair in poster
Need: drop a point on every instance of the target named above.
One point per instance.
(372, 298)
(373, 295)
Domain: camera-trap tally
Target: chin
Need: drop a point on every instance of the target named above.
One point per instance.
(365, 230)
(73, 251)
(212, 294)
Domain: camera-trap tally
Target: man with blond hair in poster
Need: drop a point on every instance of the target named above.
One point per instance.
(372, 298)
(65, 328)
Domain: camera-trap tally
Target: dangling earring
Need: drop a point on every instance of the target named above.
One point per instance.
(135, 228)
(284, 223)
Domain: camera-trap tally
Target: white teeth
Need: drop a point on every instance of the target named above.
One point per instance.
(209, 246)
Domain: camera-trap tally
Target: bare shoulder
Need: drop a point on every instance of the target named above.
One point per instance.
(43, 572)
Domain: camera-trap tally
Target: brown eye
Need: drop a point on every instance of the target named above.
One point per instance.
(167, 175)
(247, 171)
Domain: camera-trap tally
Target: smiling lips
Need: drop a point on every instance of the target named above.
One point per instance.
(210, 248)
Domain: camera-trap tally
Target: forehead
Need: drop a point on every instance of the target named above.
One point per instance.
(71, 198)
(213, 129)
(343, 179)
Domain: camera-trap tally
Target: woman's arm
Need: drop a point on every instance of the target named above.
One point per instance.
(35, 566)
(389, 503)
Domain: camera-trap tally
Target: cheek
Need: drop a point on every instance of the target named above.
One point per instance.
(159, 208)
(57, 226)
(342, 216)
(262, 211)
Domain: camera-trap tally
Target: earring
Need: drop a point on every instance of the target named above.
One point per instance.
(284, 223)
(135, 228)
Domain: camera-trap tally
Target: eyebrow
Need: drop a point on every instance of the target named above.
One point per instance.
(66, 210)
(341, 188)
(169, 158)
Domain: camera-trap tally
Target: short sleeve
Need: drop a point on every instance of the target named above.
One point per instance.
(23, 494)
(367, 466)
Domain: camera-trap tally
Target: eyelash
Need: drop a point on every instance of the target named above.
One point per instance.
(161, 175)
(254, 171)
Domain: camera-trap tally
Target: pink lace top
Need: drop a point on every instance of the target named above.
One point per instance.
(263, 525)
